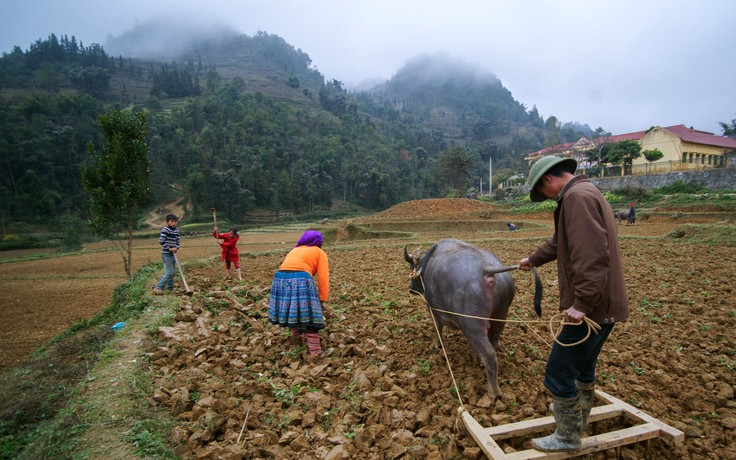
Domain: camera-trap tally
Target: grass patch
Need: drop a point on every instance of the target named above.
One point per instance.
(542, 206)
(711, 234)
(44, 411)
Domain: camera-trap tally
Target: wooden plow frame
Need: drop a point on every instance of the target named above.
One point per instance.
(648, 428)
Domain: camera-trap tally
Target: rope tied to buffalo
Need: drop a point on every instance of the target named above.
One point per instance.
(592, 326)
(559, 318)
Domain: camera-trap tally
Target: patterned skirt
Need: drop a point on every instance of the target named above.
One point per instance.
(294, 302)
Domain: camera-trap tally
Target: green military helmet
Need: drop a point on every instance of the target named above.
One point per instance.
(543, 165)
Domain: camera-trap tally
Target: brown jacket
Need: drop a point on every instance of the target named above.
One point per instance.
(585, 245)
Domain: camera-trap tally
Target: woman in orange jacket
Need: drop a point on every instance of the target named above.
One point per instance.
(230, 253)
(296, 300)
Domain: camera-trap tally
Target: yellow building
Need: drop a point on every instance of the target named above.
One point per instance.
(683, 149)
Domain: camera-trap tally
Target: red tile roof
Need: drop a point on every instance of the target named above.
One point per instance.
(681, 131)
(701, 137)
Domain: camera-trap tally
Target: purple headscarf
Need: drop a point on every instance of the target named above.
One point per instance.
(311, 238)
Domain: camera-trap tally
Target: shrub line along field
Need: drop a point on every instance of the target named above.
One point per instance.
(386, 393)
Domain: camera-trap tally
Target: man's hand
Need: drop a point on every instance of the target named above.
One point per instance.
(574, 316)
(173, 249)
(525, 264)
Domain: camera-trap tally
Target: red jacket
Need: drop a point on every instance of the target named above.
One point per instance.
(229, 251)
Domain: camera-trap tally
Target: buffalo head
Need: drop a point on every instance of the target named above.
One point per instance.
(415, 261)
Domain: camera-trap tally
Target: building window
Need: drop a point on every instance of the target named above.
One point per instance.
(691, 157)
(710, 160)
(702, 159)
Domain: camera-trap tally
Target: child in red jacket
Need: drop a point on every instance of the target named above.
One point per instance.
(229, 252)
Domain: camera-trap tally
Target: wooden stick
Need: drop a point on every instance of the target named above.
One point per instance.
(181, 273)
(214, 218)
(244, 422)
(492, 270)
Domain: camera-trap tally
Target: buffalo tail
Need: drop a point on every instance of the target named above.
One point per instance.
(537, 294)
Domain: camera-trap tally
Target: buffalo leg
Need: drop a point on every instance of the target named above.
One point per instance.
(478, 338)
(494, 333)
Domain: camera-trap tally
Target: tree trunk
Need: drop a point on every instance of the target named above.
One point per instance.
(129, 259)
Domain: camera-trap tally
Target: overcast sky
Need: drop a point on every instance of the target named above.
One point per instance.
(623, 65)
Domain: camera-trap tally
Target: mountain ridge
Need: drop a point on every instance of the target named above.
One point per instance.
(249, 121)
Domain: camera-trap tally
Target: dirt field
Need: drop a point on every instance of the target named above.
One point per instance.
(41, 298)
(386, 393)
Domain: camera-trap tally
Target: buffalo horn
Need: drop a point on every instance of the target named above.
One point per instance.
(407, 256)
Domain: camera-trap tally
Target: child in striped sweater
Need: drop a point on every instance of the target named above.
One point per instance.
(169, 241)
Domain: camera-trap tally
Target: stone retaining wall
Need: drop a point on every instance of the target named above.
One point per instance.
(714, 179)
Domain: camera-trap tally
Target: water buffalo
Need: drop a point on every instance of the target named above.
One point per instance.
(460, 278)
(621, 214)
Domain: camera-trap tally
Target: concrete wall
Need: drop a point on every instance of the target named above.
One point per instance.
(714, 179)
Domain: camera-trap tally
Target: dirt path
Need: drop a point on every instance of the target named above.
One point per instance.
(157, 217)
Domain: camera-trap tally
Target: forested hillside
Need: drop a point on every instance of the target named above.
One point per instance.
(246, 123)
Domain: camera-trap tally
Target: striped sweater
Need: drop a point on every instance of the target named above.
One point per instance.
(169, 238)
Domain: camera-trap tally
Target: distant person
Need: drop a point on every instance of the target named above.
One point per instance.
(230, 253)
(169, 241)
(296, 300)
(632, 214)
(511, 226)
(591, 284)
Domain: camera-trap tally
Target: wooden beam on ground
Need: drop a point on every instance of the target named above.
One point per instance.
(648, 428)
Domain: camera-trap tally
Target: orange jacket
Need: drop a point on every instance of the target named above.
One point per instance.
(313, 260)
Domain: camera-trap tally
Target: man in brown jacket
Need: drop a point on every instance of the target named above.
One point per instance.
(591, 281)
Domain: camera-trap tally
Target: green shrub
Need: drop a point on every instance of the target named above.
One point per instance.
(630, 193)
(681, 187)
(613, 197)
(544, 206)
(13, 241)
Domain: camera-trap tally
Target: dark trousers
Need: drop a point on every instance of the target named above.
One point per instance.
(567, 364)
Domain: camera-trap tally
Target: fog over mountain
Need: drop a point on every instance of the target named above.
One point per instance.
(442, 66)
(624, 65)
(165, 38)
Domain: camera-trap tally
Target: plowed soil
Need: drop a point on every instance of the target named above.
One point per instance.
(242, 388)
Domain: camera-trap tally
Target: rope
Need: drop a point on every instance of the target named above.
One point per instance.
(592, 325)
(447, 360)
(532, 329)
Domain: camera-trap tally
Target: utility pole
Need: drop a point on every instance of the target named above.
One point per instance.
(481, 186)
(490, 176)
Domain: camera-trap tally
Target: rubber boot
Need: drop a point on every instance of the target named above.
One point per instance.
(227, 274)
(566, 437)
(586, 391)
(237, 270)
